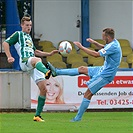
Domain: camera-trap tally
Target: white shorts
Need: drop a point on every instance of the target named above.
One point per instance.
(34, 73)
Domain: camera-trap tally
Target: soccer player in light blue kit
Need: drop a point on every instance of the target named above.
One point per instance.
(100, 75)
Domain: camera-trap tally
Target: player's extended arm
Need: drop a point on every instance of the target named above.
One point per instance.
(41, 53)
(98, 45)
(6, 46)
(88, 51)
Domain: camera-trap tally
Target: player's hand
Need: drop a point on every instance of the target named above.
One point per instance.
(90, 40)
(54, 52)
(78, 44)
(10, 59)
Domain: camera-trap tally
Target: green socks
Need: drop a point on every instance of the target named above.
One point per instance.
(40, 66)
(41, 102)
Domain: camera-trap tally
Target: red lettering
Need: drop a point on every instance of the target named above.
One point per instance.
(119, 81)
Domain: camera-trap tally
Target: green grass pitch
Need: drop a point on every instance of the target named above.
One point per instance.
(59, 122)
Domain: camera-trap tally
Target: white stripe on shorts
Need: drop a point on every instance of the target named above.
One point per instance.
(95, 82)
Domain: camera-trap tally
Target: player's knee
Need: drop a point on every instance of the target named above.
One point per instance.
(88, 95)
(38, 59)
(35, 60)
(83, 70)
(43, 91)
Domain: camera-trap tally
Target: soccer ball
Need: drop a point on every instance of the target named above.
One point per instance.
(65, 47)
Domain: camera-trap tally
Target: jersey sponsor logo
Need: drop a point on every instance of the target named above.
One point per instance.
(29, 43)
(119, 81)
(27, 49)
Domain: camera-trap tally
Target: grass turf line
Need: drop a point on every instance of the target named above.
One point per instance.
(92, 122)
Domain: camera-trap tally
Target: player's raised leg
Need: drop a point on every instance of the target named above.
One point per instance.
(40, 66)
(71, 71)
(37, 63)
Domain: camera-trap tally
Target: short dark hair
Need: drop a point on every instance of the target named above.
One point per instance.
(25, 18)
(110, 32)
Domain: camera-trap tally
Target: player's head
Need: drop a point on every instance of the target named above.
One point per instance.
(26, 24)
(108, 35)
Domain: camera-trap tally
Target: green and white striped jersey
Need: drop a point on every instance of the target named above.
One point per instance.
(23, 44)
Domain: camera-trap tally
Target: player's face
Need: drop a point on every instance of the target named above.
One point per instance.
(105, 38)
(26, 26)
(53, 90)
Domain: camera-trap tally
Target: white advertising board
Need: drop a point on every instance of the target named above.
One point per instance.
(117, 94)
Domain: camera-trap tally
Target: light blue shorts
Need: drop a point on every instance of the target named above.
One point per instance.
(97, 81)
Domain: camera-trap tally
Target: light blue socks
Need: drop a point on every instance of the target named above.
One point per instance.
(71, 72)
(84, 105)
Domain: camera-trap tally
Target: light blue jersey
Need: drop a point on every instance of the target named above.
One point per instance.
(112, 53)
(102, 75)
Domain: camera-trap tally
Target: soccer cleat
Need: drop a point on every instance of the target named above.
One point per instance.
(48, 74)
(38, 118)
(52, 68)
(75, 120)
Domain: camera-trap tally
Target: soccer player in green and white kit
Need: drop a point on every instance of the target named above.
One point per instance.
(28, 62)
